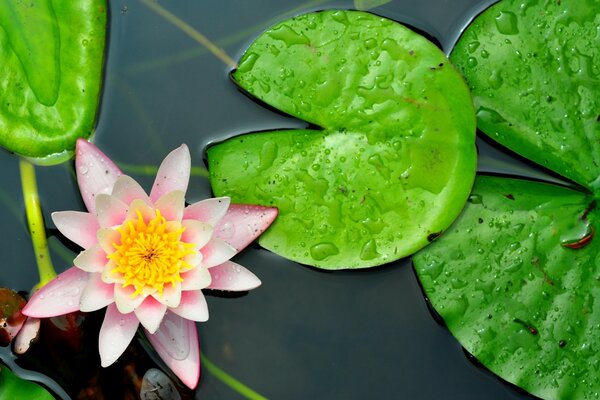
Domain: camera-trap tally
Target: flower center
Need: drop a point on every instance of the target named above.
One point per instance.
(151, 254)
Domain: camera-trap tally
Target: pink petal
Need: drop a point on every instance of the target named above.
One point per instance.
(176, 342)
(196, 232)
(209, 211)
(193, 306)
(115, 334)
(233, 277)
(124, 300)
(150, 313)
(96, 173)
(216, 252)
(96, 294)
(127, 190)
(79, 227)
(91, 260)
(173, 173)
(171, 205)
(110, 210)
(60, 296)
(27, 335)
(243, 223)
(195, 279)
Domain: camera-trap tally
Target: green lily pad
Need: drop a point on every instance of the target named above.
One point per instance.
(393, 161)
(533, 68)
(14, 388)
(51, 57)
(517, 281)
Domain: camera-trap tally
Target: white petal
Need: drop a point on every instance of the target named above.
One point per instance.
(116, 333)
(96, 294)
(79, 227)
(171, 295)
(233, 277)
(173, 173)
(196, 278)
(171, 205)
(27, 335)
(193, 306)
(127, 190)
(196, 232)
(124, 300)
(209, 211)
(216, 252)
(110, 210)
(107, 238)
(243, 223)
(91, 260)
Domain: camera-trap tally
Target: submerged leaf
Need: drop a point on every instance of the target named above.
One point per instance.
(51, 55)
(513, 294)
(11, 319)
(14, 388)
(394, 161)
(533, 70)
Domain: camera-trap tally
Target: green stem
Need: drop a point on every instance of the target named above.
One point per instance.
(229, 380)
(152, 170)
(35, 220)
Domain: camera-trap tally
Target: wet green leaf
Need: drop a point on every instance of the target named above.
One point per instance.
(14, 388)
(517, 281)
(51, 55)
(533, 70)
(393, 162)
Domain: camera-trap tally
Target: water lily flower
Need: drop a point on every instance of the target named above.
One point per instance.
(148, 257)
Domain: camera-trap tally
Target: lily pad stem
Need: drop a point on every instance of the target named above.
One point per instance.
(229, 380)
(35, 221)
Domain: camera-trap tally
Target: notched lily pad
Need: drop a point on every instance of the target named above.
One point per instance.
(393, 162)
(533, 68)
(51, 58)
(517, 281)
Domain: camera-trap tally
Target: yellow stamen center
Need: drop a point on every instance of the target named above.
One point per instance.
(150, 256)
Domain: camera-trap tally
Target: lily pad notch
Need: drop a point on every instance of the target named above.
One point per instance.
(393, 161)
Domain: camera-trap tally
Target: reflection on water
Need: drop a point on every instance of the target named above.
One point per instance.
(305, 333)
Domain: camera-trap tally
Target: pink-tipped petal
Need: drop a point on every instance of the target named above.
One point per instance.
(209, 211)
(27, 335)
(196, 232)
(195, 279)
(91, 260)
(96, 173)
(127, 190)
(96, 294)
(79, 227)
(176, 342)
(150, 313)
(233, 277)
(125, 300)
(107, 238)
(216, 252)
(115, 334)
(173, 173)
(193, 306)
(60, 296)
(243, 223)
(171, 205)
(110, 210)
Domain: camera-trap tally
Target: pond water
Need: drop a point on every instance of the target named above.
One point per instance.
(304, 333)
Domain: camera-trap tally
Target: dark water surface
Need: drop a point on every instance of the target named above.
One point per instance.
(305, 333)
